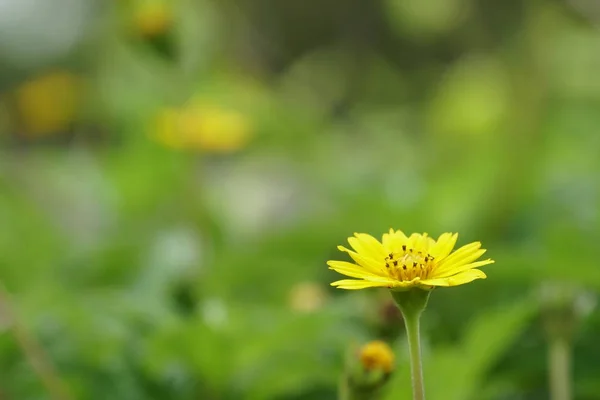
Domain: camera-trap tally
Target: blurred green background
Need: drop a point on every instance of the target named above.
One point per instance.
(175, 174)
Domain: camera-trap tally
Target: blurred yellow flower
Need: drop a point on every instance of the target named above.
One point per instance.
(153, 18)
(377, 355)
(400, 262)
(48, 104)
(204, 127)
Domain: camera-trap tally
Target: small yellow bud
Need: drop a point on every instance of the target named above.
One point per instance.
(377, 355)
(48, 104)
(153, 19)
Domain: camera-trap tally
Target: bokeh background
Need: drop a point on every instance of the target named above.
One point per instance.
(175, 174)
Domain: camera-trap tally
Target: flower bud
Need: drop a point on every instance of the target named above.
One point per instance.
(377, 355)
(369, 369)
(563, 306)
(153, 18)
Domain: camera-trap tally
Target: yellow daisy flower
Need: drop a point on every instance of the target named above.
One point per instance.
(400, 262)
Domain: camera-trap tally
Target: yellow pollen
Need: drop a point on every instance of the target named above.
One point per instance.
(408, 264)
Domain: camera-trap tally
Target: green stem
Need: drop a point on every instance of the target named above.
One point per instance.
(343, 390)
(560, 366)
(32, 350)
(412, 303)
(414, 346)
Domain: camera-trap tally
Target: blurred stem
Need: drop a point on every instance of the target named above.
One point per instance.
(33, 351)
(412, 303)
(343, 390)
(559, 354)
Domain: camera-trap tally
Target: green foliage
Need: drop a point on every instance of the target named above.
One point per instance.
(147, 271)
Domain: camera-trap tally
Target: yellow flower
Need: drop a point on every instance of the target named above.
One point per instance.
(400, 262)
(377, 355)
(204, 127)
(216, 129)
(49, 104)
(153, 18)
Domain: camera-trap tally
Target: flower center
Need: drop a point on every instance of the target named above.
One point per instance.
(408, 264)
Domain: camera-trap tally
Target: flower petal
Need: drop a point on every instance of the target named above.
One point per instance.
(462, 267)
(430, 243)
(407, 284)
(400, 235)
(387, 239)
(367, 245)
(466, 259)
(369, 264)
(393, 241)
(444, 245)
(460, 255)
(349, 269)
(354, 284)
(455, 280)
(417, 241)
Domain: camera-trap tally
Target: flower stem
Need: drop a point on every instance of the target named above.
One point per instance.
(343, 389)
(412, 303)
(33, 351)
(416, 367)
(559, 354)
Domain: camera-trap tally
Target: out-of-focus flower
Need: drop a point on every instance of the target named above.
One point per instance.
(377, 355)
(153, 18)
(563, 307)
(204, 127)
(400, 262)
(48, 104)
(307, 297)
(368, 369)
